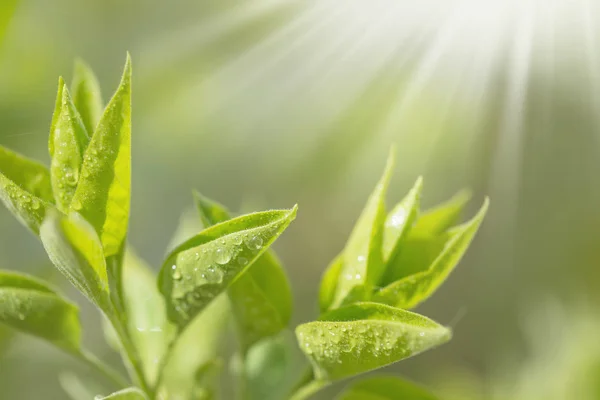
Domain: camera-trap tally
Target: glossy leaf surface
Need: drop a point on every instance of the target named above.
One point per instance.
(362, 257)
(25, 189)
(400, 220)
(31, 306)
(67, 144)
(414, 289)
(205, 265)
(261, 298)
(75, 249)
(103, 194)
(365, 336)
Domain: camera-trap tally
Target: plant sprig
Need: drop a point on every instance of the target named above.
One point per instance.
(169, 329)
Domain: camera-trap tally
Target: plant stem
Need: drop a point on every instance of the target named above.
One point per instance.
(97, 365)
(304, 392)
(131, 355)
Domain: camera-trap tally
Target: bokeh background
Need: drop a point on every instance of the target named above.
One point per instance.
(267, 103)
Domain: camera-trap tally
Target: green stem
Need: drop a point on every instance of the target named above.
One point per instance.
(131, 356)
(104, 370)
(304, 392)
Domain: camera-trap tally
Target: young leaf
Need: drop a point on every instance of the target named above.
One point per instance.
(67, 143)
(261, 298)
(416, 255)
(125, 394)
(205, 265)
(386, 388)
(147, 319)
(188, 354)
(329, 283)
(412, 290)
(272, 366)
(86, 95)
(25, 188)
(365, 336)
(400, 220)
(102, 196)
(441, 218)
(362, 257)
(28, 174)
(31, 306)
(75, 249)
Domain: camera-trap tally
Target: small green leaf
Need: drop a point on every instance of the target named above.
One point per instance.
(125, 394)
(414, 289)
(67, 143)
(86, 95)
(205, 265)
(147, 319)
(272, 366)
(28, 174)
(418, 252)
(386, 388)
(329, 283)
(75, 249)
(31, 306)
(362, 257)
(261, 298)
(400, 220)
(188, 354)
(25, 188)
(365, 336)
(210, 211)
(441, 218)
(103, 194)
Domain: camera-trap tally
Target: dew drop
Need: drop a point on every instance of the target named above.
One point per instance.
(222, 256)
(76, 205)
(176, 273)
(255, 243)
(242, 261)
(237, 240)
(21, 316)
(35, 204)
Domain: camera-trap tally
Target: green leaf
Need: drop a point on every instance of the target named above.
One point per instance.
(205, 265)
(126, 394)
(86, 95)
(75, 249)
(261, 298)
(147, 319)
(414, 289)
(441, 218)
(210, 211)
(400, 220)
(28, 174)
(329, 283)
(188, 354)
(365, 336)
(272, 366)
(25, 188)
(386, 388)
(418, 252)
(103, 194)
(362, 257)
(67, 144)
(31, 306)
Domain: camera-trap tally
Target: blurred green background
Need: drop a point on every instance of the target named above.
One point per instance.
(269, 103)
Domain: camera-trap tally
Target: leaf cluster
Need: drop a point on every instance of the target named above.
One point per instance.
(169, 329)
